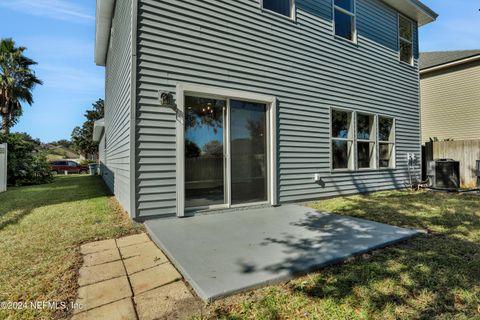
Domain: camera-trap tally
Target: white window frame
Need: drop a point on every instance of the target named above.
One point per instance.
(374, 141)
(187, 89)
(351, 14)
(292, 10)
(392, 143)
(351, 166)
(409, 41)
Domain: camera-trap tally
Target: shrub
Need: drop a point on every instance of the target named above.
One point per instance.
(87, 162)
(26, 164)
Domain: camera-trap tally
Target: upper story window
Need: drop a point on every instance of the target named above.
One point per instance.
(405, 34)
(282, 7)
(345, 20)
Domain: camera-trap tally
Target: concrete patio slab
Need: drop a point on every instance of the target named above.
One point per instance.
(222, 254)
(98, 246)
(143, 262)
(101, 272)
(101, 257)
(131, 240)
(173, 301)
(102, 293)
(146, 249)
(153, 278)
(119, 310)
(107, 287)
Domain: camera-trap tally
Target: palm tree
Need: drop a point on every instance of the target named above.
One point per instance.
(17, 81)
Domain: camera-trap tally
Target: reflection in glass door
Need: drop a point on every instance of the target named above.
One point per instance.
(213, 127)
(248, 145)
(204, 152)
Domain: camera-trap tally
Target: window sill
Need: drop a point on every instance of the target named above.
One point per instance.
(347, 41)
(340, 171)
(276, 14)
(411, 65)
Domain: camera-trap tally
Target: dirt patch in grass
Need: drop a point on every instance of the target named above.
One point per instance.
(41, 229)
(432, 276)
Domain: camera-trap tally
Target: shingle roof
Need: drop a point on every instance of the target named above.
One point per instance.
(433, 59)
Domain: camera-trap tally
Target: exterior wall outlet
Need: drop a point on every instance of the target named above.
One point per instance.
(317, 178)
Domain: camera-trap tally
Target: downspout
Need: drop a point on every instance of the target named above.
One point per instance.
(133, 113)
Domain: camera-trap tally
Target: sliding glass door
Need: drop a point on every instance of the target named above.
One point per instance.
(225, 152)
(248, 126)
(204, 152)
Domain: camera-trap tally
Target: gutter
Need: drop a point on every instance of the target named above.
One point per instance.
(133, 112)
(450, 64)
(425, 8)
(103, 27)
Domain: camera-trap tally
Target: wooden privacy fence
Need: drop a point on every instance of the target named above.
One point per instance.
(465, 151)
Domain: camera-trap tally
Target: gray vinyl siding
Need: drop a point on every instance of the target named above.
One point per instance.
(234, 45)
(116, 166)
(101, 154)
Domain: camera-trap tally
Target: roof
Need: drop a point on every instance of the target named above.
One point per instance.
(98, 128)
(103, 25)
(429, 60)
(413, 9)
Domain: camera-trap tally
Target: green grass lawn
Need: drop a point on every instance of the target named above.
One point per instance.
(41, 229)
(432, 276)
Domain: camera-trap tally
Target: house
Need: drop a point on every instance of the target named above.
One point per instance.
(450, 104)
(450, 95)
(264, 102)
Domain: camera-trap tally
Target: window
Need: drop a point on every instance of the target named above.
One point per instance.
(345, 20)
(366, 139)
(386, 140)
(405, 34)
(283, 7)
(361, 141)
(342, 139)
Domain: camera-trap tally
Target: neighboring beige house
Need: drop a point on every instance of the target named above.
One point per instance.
(450, 95)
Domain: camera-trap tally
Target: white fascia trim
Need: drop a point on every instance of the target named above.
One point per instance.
(98, 128)
(414, 9)
(103, 25)
(450, 64)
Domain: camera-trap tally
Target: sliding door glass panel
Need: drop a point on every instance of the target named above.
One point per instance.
(204, 152)
(248, 127)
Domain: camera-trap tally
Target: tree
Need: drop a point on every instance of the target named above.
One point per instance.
(191, 149)
(82, 137)
(62, 143)
(17, 81)
(213, 149)
(27, 163)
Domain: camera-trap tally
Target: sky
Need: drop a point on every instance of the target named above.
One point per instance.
(60, 35)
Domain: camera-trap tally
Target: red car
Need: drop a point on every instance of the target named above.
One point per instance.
(66, 165)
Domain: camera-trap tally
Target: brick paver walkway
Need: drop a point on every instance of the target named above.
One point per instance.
(130, 278)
